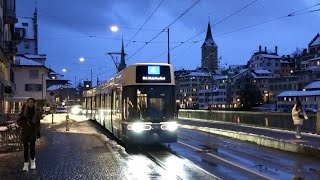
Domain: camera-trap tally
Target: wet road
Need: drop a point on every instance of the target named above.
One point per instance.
(270, 162)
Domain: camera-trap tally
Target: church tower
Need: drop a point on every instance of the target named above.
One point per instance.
(209, 54)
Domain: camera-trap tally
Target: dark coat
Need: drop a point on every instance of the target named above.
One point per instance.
(30, 127)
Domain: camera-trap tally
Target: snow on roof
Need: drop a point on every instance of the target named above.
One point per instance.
(316, 58)
(260, 77)
(285, 61)
(262, 71)
(220, 77)
(198, 74)
(241, 72)
(299, 93)
(313, 85)
(316, 42)
(27, 24)
(270, 56)
(313, 68)
(35, 56)
(22, 61)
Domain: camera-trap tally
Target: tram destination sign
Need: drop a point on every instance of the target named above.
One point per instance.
(153, 74)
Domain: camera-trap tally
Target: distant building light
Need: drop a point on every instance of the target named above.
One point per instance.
(87, 85)
(303, 89)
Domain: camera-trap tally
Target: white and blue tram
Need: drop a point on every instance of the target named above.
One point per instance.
(137, 105)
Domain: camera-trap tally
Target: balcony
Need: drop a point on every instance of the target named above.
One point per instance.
(10, 12)
(9, 48)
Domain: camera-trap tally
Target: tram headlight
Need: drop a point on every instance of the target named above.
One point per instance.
(170, 126)
(138, 127)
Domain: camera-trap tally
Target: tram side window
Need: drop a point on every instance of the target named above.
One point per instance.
(116, 102)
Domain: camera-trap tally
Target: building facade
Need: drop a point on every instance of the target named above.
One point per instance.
(264, 60)
(27, 28)
(309, 97)
(8, 41)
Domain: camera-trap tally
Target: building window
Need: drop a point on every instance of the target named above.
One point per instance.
(25, 24)
(27, 46)
(33, 87)
(34, 74)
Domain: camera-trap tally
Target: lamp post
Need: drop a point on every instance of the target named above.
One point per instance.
(168, 46)
(43, 89)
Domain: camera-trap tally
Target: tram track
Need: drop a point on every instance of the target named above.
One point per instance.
(156, 161)
(160, 156)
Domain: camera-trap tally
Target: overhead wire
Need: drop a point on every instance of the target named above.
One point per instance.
(250, 26)
(145, 22)
(175, 20)
(299, 12)
(62, 20)
(229, 16)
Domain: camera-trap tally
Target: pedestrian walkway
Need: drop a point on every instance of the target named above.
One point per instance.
(81, 153)
(274, 138)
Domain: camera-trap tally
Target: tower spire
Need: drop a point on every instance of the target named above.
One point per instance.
(209, 34)
(122, 64)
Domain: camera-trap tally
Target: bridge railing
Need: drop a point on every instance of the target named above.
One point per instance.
(262, 119)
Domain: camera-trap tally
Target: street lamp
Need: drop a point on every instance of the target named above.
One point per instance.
(114, 28)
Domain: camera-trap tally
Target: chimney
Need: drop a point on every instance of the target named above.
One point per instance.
(265, 49)
(260, 48)
(276, 50)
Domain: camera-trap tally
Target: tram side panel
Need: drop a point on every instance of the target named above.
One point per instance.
(108, 99)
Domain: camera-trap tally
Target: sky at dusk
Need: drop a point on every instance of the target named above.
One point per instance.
(71, 29)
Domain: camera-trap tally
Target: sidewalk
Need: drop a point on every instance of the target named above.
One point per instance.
(274, 138)
(81, 153)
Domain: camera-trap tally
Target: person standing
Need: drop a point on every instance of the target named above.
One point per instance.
(298, 115)
(29, 121)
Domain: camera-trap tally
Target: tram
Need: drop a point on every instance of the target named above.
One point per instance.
(137, 105)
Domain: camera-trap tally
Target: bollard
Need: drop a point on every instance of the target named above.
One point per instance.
(318, 122)
(67, 123)
(52, 118)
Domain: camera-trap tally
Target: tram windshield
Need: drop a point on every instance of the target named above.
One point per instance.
(152, 104)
